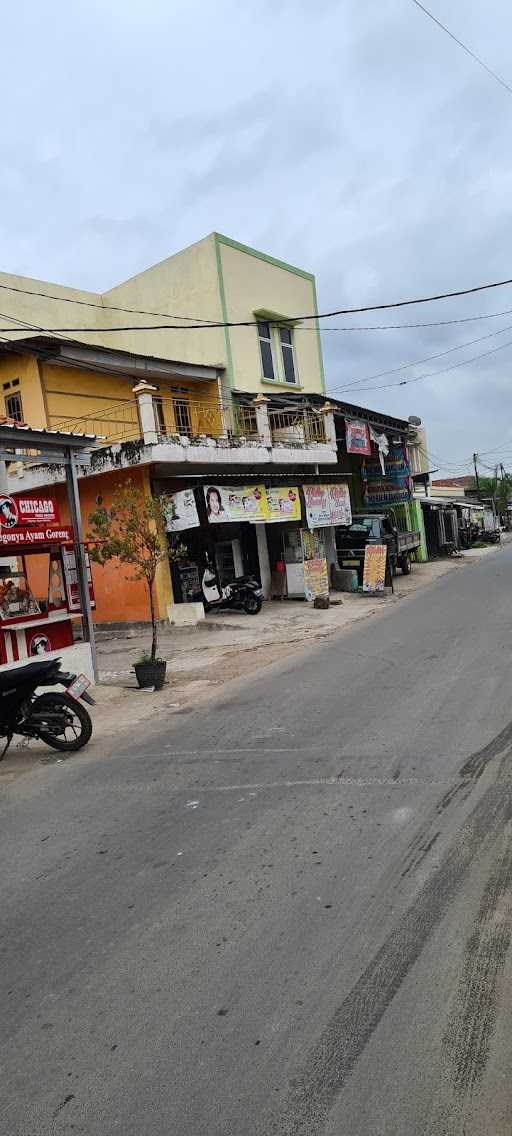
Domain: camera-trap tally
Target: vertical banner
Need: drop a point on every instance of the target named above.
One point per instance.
(374, 571)
(357, 437)
(71, 579)
(316, 579)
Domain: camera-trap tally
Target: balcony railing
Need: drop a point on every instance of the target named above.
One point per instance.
(160, 418)
(117, 423)
(296, 427)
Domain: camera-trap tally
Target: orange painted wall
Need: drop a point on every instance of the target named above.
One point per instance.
(117, 599)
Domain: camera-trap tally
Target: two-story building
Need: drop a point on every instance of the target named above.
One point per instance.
(202, 374)
(194, 372)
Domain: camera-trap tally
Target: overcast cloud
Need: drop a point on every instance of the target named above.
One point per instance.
(352, 138)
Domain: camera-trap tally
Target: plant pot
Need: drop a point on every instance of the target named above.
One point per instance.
(150, 674)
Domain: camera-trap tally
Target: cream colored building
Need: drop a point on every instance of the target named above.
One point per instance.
(216, 281)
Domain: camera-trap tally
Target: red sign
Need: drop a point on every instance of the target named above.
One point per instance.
(357, 437)
(21, 511)
(16, 537)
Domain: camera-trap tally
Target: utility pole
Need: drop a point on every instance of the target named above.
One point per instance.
(477, 479)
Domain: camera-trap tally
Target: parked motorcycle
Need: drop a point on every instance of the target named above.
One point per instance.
(243, 593)
(54, 717)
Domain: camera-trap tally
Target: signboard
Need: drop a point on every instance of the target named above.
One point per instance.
(226, 503)
(357, 437)
(316, 579)
(17, 512)
(182, 512)
(71, 579)
(14, 537)
(327, 505)
(392, 488)
(283, 503)
(374, 571)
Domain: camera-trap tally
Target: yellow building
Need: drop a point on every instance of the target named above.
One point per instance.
(216, 281)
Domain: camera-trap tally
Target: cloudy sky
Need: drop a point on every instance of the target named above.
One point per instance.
(351, 137)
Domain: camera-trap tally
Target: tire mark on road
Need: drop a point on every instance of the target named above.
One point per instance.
(468, 1037)
(333, 1057)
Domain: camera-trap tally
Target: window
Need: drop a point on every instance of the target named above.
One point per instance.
(159, 414)
(267, 357)
(182, 416)
(285, 335)
(13, 407)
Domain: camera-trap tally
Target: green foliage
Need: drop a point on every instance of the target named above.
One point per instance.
(497, 489)
(132, 530)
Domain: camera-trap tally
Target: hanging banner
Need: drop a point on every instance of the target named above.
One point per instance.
(374, 571)
(339, 497)
(182, 513)
(283, 503)
(71, 579)
(316, 578)
(357, 437)
(18, 512)
(226, 503)
(327, 505)
(395, 487)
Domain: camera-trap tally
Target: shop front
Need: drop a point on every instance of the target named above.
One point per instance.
(259, 530)
(36, 618)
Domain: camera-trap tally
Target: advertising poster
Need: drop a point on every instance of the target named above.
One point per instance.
(71, 579)
(357, 437)
(226, 503)
(339, 497)
(283, 503)
(182, 511)
(316, 578)
(327, 505)
(394, 488)
(374, 571)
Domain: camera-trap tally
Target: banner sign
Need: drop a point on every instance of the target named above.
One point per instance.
(18, 512)
(226, 503)
(374, 571)
(182, 512)
(316, 579)
(395, 487)
(327, 505)
(71, 579)
(283, 503)
(14, 537)
(357, 437)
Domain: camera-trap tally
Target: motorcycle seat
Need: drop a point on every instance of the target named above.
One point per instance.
(27, 672)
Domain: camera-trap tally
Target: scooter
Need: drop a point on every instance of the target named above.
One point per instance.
(243, 593)
(54, 717)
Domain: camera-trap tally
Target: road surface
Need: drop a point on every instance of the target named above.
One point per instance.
(287, 913)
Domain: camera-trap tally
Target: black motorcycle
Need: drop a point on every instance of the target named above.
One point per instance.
(242, 594)
(55, 717)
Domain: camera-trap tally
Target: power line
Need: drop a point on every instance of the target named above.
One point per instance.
(431, 374)
(426, 359)
(245, 323)
(464, 47)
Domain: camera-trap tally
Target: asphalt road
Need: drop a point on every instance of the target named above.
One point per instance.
(287, 913)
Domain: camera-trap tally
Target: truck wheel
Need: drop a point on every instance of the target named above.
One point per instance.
(405, 565)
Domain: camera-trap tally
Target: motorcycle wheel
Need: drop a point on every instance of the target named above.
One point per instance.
(77, 723)
(252, 605)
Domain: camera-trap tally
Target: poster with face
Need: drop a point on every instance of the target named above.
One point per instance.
(228, 503)
(182, 512)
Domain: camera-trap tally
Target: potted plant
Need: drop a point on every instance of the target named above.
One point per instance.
(130, 530)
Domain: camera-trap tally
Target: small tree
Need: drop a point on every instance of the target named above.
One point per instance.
(130, 530)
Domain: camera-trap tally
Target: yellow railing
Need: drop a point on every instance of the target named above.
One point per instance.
(117, 423)
(188, 418)
(244, 421)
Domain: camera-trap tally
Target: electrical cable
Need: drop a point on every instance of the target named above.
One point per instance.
(468, 51)
(443, 371)
(426, 359)
(252, 323)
